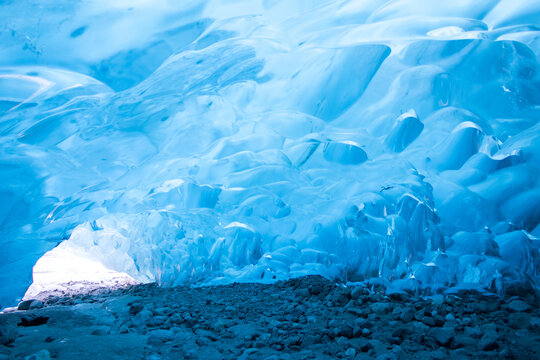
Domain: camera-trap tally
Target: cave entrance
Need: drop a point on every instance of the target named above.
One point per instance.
(67, 271)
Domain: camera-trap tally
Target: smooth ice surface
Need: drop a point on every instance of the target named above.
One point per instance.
(252, 140)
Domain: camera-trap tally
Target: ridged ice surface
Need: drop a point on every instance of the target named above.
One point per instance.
(218, 141)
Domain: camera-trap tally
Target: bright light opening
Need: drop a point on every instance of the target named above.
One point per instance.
(62, 272)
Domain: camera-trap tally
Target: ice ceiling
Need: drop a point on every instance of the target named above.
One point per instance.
(253, 140)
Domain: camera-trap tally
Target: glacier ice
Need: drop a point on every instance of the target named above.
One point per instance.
(207, 142)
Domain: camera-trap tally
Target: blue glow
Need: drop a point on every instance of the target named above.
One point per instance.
(220, 141)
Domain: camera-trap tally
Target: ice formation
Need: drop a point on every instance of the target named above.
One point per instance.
(251, 140)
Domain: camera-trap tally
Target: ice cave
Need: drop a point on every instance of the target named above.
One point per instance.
(384, 143)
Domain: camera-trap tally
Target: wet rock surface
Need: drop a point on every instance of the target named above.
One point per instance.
(303, 318)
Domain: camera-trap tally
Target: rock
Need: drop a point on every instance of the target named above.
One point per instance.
(386, 356)
(123, 329)
(219, 325)
(449, 317)
(357, 330)
(443, 336)
(398, 296)
(342, 341)
(429, 321)
(159, 336)
(418, 315)
(401, 332)
(144, 315)
(438, 355)
(155, 321)
(293, 341)
(364, 345)
(534, 324)
(247, 353)
(396, 311)
(488, 327)
(429, 342)
(463, 341)
(439, 320)
(310, 340)
(8, 335)
(489, 341)
(381, 308)
(315, 289)
(40, 355)
(30, 304)
(274, 324)
(419, 327)
(407, 315)
(486, 306)
(357, 293)
(302, 293)
(346, 330)
(518, 306)
(519, 320)
(474, 332)
(33, 321)
(101, 331)
(135, 308)
(341, 296)
(506, 354)
(378, 346)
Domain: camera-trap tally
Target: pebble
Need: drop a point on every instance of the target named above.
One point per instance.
(518, 306)
(438, 355)
(489, 341)
(29, 305)
(407, 315)
(429, 321)
(386, 356)
(381, 308)
(33, 321)
(357, 292)
(364, 345)
(463, 341)
(449, 317)
(101, 331)
(40, 355)
(519, 320)
(474, 332)
(7, 335)
(534, 324)
(443, 336)
(219, 325)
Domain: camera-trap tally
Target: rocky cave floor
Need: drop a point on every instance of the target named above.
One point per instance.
(303, 318)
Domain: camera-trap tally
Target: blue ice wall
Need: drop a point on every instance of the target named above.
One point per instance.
(254, 140)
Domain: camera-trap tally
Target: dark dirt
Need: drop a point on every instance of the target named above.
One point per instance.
(304, 318)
